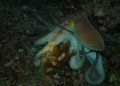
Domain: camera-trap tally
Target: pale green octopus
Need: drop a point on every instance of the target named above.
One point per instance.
(85, 37)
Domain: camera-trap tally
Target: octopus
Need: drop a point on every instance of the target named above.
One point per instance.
(85, 38)
(82, 35)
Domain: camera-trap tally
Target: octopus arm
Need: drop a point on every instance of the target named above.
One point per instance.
(44, 39)
(57, 39)
(76, 62)
(98, 74)
(44, 22)
(25, 45)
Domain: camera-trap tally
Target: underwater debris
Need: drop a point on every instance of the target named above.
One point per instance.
(58, 57)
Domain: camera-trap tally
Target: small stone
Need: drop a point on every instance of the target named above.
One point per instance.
(20, 50)
(56, 76)
(49, 70)
(28, 31)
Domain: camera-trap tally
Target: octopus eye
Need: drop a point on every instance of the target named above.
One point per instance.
(69, 23)
(77, 14)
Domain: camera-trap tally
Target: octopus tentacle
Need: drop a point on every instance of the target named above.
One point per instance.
(56, 40)
(98, 72)
(25, 45)
(45, 39)
(76, 62)
(44, 22)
